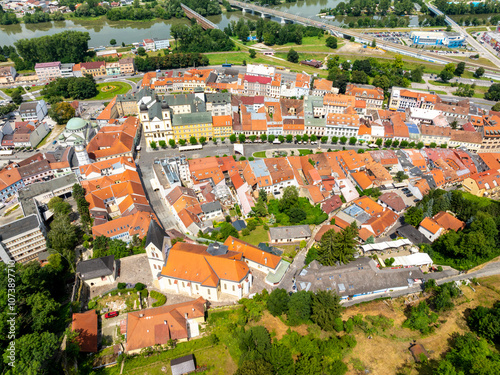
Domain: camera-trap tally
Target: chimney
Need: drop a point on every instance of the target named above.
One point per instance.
(141, 315)
(165, 322)
(265, 261)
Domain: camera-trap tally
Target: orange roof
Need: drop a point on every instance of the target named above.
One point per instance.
(381, 221)
(419, 96)
(324, 229)
(253, 253)
(492, 160)
(430, 225)
(323, 84)
(193, 263)
(114, 140)
(86, 326)
(341, 223)
(237, 180)
(146, 328)
(422, 185)
(363, 129)
(8, 177)
(438, 177)
(342, 119)
(97, 167)
(315, 193)
(364, 234)
(368, 205)
(106, 112)
(136, 224)
(205, 168)
(339, 100)
(362, 180)
(222, 121)
(448, 221)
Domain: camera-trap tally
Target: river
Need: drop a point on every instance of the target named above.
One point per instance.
(102, 30)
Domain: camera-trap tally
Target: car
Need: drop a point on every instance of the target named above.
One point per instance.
(111, 314)
(54, 142)
(415, 200)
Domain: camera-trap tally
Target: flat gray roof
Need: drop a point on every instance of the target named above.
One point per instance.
(294, 231)
(18, 227)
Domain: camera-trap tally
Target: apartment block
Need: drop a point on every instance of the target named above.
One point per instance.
(48, 71)
(22, 240)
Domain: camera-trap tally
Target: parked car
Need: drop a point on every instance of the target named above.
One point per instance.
(111, 314)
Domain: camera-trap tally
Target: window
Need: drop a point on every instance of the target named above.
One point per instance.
(208, 291)
(233, 288)
(225, 286)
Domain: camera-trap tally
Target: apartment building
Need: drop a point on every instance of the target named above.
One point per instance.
(22, 240)
(94, 68)
(219, 104)
(337, 103)
(7, 74)
(401, 99)
(373, 96)
(161, 43)
(127, 65)
(187, 125)
(491, 134)
(33, 111)
(10, 183)
(222, 126)
(48, 71)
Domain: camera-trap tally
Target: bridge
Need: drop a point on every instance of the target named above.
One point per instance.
(361, 38)
(202, 21)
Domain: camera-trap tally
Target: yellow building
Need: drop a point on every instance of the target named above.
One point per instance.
(222, 126)
(483, 184)
(187, 125)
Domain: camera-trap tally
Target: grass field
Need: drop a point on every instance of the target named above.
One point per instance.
(118, 88)
(259, 154)
(395, 341)
(257, 236)
(135, 79)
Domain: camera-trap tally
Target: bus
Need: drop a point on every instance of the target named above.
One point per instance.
(190, 148)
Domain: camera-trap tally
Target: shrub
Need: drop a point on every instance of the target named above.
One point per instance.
(144, 293)
(114, 292)
(160, 298)
(122, 285)
(92, 304)
(245, 232)
(266, 227)
(139, 286)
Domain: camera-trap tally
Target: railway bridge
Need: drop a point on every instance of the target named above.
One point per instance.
(206, 24)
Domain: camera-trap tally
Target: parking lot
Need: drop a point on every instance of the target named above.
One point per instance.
(391, 36)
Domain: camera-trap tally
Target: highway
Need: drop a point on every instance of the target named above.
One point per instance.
(389, 46)
(470, 40)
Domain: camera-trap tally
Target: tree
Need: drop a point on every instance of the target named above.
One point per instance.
(459, 70)
(447, 73)
(43, 311)
(290, 198)
(62, 113)
(16, 97)
(305, 138)
(486, 322)
(338, 247)
(325, 308)
(493, 92)
(263, 137)
(252, 53)
(414, 216)
(59, 206)
(281, 359)
(112, 42)
(359, 77)
(203, 140)
(62, 235)
(343, 139)
(324, 139)
(298, 138)
(232, 138)
(379, 142)
(277, 302)
(416, 74)
(421, 318)
(314, 138)
(263, 195)
(193, 140)
(400, 176)
(34, 353)
(257, 367)
(271, 137)
(352, 140)
(141, 51)
(331, 42)
(153, 145)
(289, 138)
(479, 72)
(292, 56)
(420, 145)
(242, 138)
(299, 307)
(388, 143)
(162, 143)
(296, 215)
(171, 142)
(374, 43)
(182, 142)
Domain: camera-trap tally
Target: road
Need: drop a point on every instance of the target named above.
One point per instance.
(470, 40)
(405, 50)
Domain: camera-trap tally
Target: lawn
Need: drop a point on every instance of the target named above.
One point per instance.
(108, 90)
(257, 236)
(259, 154)
(215, 357)
(44, 140)
(135, 79)
(303, 151)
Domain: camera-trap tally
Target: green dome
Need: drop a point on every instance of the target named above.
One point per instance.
(76, 123)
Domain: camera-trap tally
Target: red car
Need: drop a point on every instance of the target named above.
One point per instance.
(111, 314)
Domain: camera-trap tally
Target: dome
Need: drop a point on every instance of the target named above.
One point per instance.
(75, 124)
(164, 105)
(143, 107)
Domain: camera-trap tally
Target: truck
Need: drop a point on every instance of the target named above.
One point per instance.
(226, 65)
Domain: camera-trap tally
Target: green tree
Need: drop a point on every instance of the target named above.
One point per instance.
(112, 42)
(43, 311)
(331, 42)
(459, 70)
(63, 235)
(400, 176)
(352, 140)
(496, 107)
(479, 72)
(493, 92)
(171, 142)
(420, 145)
(299, 307)
(421, 318)
(324, 139)
(153, 145)
(141, 51)
(388, 143)
(263, 137)
(277, 302)
(34, 353)
(193, 140)
(16, 97)
(447, 73)
(162, 143)
(242, 138)
(290, 198)
(414, 216)
(292, 56)
(281, 359)
(182, 142)
(289, 138)
(257, 367)
(203, 140)
(325, 308)
(252, 53)
(59, 206)
(379, 142)
(343, 139)
(232, 138)
(338, 247)
(61, 113)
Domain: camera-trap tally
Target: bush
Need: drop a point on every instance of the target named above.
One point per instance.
(122, 285)
(114, 292)
(92, 304)
(245, 232)
(160, 298)
(139, 286)
(266, 227)
(144, 293)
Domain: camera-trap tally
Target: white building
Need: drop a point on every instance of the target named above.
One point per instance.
(33, 111)
(98, 271)
(161, 43)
